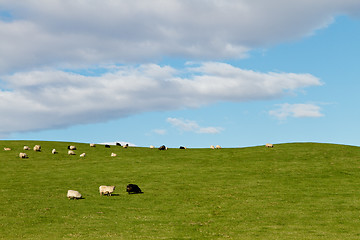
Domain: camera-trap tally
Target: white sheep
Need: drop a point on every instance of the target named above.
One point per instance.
(26, 148)
(71, 152)
(106, 190)
(37, 148)
(269, 145)
(82, 155)
(72, 194)
(212, 147)
(23, 155)
(113, 154)
(218, 147)
(92, 145)
(7, 149)
(53, 151)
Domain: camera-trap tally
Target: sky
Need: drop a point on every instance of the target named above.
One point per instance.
(233, 73)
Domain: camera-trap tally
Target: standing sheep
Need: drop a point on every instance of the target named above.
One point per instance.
(106, 190)
(53, 151)
(269, 145)
(82, 155)
(26, 148)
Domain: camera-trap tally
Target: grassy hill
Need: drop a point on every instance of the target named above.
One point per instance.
(293, 191)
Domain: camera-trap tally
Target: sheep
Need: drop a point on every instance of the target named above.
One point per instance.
(23, 155)
(212, 147)
(37, 148)
(126, 146)
(7, 149)
(151, 146)
(133, 188)
(163, 147)
(71, 152)
(26, 148)
(113, 154)
(118, 144)
(53, 151)
(107, 145)
(82, 155)
(269, 145)
(92, 145)
(72, 194)
(106, 190)
(71, 148)
(182, 147)
(218, 147)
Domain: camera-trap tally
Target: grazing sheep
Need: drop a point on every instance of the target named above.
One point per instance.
(269, 145)
(7, 149)
(26, 148)
(217, 147)
(163, 147)
(71, 148)
(107, 146)
(106, 190)
(37, 148)
(126, 146)
(212, 147)
(23, 155)
(151, 146)
(181, 147)
(133, 188)
(82, 155)
(113, 154)
(53, 151)
(92, 145)
(71, 152)
(72, 194)
(118, 144)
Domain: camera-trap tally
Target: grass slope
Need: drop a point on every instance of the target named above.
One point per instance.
(293, 191)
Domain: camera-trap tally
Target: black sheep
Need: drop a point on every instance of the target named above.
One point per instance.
(162, 147)
(133, 188)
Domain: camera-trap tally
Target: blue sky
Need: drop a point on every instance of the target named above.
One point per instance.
(233, 73)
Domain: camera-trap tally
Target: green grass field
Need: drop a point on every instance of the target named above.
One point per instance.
(293, 191)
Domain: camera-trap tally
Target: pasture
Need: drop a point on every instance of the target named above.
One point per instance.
(291, 191)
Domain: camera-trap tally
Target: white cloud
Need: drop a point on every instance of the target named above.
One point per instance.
(211, 130)
(75, 34)
(299, 110)
(39, 100)
(159, 131)
(40, 37)
(192, 126)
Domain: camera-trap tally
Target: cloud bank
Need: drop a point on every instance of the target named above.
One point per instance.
(41, 38)
(68, 33)
(52, 99)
